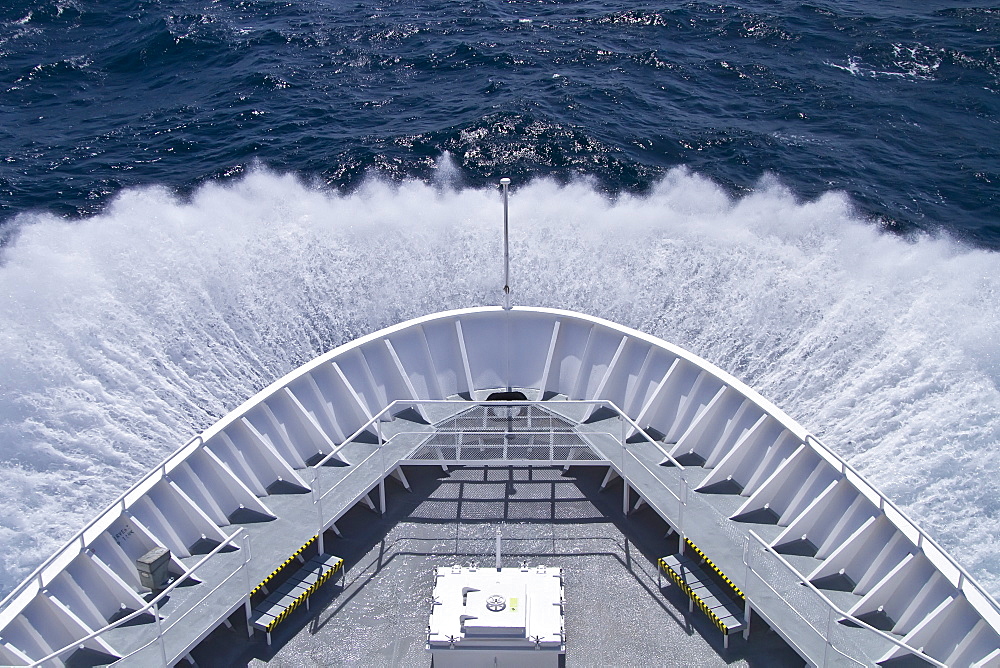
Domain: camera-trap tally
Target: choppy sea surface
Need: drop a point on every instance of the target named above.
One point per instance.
(197, 197)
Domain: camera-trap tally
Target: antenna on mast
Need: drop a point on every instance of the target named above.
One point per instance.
(504, 182)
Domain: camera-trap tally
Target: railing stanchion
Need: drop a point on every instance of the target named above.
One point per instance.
(381, 478)
(381, 488)
(621, 461)
(829, 638)
(747, 609)
(624, 496)
(506, 439)
(318, 503)
(681, 503)
(624, 480)
(621, 421)
(246, 559)
(246, 577)
(159, 634)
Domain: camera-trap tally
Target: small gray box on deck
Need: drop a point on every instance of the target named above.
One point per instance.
(152, 567)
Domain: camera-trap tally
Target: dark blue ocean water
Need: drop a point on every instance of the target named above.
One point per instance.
(895, 104)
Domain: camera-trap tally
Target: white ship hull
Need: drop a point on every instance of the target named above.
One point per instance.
(804, 542)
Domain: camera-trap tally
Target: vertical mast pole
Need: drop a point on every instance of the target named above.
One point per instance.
(504, 182)
(498, 548)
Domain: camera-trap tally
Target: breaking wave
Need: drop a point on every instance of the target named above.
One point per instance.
(125, 333)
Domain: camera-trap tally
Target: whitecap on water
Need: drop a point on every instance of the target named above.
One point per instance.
(126, 333)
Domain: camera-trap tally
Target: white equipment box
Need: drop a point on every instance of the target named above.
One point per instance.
(497, 617)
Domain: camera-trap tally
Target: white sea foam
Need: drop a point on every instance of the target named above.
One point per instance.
(911, 61)
(124, 334)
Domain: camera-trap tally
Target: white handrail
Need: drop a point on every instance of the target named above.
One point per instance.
(658, 479)
(964, 578)
(807, 622)
(518, 432)
(965, 582)
(78, 536)
(830, 604)
(154, 602)
(353, 466)
(184, 614)
(548, 405)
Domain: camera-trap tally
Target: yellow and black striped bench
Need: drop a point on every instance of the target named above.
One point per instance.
(298, 588)
(725, 613)
(280, 569)
(708, 562)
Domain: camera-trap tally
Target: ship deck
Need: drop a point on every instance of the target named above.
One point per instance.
(577, 517)
(652, 437)
(615, 612)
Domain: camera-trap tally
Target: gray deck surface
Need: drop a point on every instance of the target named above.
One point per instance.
(547, 516)
(189, 614)
(706, 523)
(615, 615)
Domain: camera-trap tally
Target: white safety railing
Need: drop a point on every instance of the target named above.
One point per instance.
(78, 543)
(861, 645)
(553, 407)
(214, 606)
(610, 446)
(798, 597)
(632, 460)
(803, 600)
(153, 606)
(949, 568)
(469, 446)
(768, 571)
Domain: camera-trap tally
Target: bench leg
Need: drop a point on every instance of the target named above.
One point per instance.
(725, 641)
(268, 638)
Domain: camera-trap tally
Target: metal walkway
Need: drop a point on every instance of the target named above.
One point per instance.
(464, 433)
